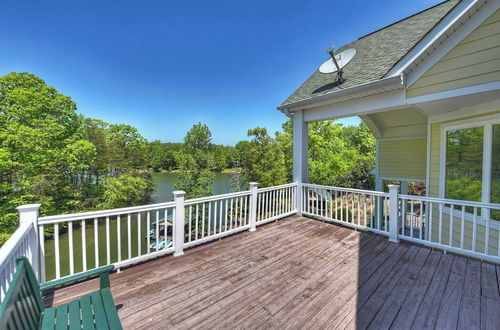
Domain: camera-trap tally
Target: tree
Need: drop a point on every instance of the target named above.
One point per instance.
(265, 161)
(52, 155)
(338, 155)
(195, 161)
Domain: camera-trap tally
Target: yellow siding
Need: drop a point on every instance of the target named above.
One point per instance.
(476, 60)
(457, 230)
(403, 159)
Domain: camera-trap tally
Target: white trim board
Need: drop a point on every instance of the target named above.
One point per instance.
(434, 36)
(488, 87)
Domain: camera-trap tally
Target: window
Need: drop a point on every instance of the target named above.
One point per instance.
(470, 163)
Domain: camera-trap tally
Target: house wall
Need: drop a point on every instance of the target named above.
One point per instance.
(475, 61)
(434, 177)
(404, 159)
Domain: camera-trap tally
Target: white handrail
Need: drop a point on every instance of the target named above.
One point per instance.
(103, 213)
(451, 201)
(361, 191)
(21, 244)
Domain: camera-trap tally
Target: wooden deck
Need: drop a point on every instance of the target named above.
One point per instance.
(302, 273)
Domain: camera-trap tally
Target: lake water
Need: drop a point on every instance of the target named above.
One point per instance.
(165, 185)
(163, 193)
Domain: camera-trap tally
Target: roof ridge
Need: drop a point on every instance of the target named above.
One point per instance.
(404, 19)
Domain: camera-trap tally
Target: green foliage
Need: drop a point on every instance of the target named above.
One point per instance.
(126, 190)
(51, 155)
(338, 155)
(265, 160)
(196, 164)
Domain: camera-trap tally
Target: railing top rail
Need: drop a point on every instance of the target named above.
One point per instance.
(287, 185)
(450, 201)
(103, 213)
(360, 191)
(217, 197)
(12, 243)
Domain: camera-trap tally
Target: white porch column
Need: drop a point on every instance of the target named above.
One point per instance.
(300, 154)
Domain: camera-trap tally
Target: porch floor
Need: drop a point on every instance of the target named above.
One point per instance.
(303, 273)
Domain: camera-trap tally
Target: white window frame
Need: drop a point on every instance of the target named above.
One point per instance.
(487, 123)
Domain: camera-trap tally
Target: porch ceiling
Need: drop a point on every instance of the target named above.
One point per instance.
(400, 123)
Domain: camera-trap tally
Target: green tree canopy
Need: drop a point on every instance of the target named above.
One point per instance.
(196, 164)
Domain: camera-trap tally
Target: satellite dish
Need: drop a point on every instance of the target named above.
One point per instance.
(342, 58)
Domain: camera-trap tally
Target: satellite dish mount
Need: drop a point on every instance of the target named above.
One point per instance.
(339, 80)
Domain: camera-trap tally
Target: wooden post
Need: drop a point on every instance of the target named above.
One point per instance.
(28, 214)
(394, 224)
(253, 205)
(179, 222)
(300, 154)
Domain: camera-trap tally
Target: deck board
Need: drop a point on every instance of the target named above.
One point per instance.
(302, 273)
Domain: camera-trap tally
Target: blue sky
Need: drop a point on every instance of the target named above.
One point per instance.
(162, 66)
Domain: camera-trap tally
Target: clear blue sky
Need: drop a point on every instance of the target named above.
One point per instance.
(162, 66)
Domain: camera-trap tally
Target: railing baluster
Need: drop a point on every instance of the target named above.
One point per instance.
(148, 229)
(421, 220)
(196, 221)
(139, 234)
(203, 220)
(108, 241)
(129, 236)
(84, 246)
(474, 230)
(440, 228)
(221, 214)
(209, 218)
(96, 242)
(56, 247)
(364, 209)
(71, 253)
(462, 228)
(41, 235)
(119, 237)
(189, 222)
(486, 214)
(231, 213)
(411, 217)
(157, 243)
(450, 234)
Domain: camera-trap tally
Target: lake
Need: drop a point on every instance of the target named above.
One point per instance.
(163, 193)
(165, 185)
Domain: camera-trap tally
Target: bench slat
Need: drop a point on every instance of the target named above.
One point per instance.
(74, 315)
(87, 316)
(111, 312)
(49, 318)
(99, 314)
(62, 317)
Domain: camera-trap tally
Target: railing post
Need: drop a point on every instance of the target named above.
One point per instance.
(298, 198)
(28, 214)
(393, 213)
(253, 205)
(179, 222)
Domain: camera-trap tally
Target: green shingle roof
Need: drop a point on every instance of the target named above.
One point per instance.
(376, 53)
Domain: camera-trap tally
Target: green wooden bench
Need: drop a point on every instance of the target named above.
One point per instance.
(23, 307)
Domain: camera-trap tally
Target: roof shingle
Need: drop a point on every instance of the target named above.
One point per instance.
(376, 53)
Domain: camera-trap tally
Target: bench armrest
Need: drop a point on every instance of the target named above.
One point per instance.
(103, 273)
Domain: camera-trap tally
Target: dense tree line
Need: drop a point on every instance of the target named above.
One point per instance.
(51, 155)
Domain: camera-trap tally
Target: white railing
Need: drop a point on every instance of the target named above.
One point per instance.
(276, 202)
(210, 218)
(63, 245)
(470, 228)
(23, 243)
(363, 209)
(78, 242)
